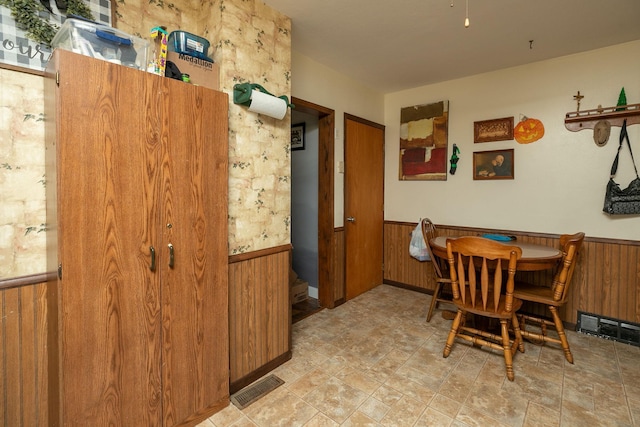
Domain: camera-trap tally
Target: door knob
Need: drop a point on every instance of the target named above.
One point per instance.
(351, 219)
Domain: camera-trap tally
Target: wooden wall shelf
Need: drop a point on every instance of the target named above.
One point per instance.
(587, 119)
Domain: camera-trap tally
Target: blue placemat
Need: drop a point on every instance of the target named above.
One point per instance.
(499, 237)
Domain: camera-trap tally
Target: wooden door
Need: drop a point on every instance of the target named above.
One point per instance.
(195, 347)
(364, 205)
(105, 310)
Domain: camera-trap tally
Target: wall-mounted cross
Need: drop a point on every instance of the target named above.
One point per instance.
(578, 97)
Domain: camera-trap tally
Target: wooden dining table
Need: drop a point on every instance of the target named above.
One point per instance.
(534, 257)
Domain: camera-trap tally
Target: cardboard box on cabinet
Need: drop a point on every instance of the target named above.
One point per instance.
(201, 72)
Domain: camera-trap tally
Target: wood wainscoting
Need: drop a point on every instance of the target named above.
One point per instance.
(259, 314)
(606, 281)
(259, 332)
(23, 346)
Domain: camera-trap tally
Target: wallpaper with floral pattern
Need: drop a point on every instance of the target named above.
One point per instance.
(22, 182)
(251, 43)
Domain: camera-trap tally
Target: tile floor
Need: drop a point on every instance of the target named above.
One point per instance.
(374, 361)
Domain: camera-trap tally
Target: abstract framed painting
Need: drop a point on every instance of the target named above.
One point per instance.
(424, 142)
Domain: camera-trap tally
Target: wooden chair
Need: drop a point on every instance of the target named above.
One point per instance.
(483, 295)
(554, 296)
(428, 233)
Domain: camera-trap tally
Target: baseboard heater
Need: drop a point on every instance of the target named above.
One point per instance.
(609, 328)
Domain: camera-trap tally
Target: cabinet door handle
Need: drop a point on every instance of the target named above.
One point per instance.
(152, 267)
(171, 258)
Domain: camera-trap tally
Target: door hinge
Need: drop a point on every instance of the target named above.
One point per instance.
(57, 78)
(59, 271)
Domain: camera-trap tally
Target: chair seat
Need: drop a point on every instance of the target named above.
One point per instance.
(535, 293)
(500, 313)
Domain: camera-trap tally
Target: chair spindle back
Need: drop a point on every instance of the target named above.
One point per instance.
(570, 245)
(429, 232)
(466, 255)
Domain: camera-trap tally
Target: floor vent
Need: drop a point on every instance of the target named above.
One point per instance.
(250, 394)
(609, 328)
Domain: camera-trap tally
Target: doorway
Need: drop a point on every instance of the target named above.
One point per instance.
(325, 230)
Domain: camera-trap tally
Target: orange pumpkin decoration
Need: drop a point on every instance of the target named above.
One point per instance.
(528, 130)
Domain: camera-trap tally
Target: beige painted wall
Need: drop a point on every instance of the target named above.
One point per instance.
(324, 86)
(559, 180)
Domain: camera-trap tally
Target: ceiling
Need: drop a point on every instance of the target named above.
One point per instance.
(391, 45)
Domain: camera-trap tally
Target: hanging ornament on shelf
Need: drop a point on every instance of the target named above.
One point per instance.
(601, 132)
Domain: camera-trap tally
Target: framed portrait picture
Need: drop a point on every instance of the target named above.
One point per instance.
(493, 130)
(494, 164)
(297, 136)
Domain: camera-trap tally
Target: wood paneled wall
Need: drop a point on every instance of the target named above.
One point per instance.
(606, 280)
(23, 358)
(259, 332)
(259, 314)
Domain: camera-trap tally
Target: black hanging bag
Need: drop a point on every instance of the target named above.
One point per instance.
(616, 200)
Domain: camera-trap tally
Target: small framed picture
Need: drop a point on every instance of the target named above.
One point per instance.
(297, 136)
(493, 130)
(495, 164)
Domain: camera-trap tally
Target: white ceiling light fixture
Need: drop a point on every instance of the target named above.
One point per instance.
(466, 17)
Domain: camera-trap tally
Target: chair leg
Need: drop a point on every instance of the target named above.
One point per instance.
(452, 334)
(506, 346)
(561, 334)
(517, 333)
(434, 300)
(533, 336)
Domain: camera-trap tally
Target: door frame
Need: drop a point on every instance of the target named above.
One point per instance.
(326, 153)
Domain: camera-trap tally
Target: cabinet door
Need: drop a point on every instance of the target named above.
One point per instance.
(194, 222)
(109, 303)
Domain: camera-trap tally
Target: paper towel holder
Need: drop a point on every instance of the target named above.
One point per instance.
(242, 94)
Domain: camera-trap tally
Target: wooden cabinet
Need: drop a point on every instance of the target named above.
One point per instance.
(137, 216)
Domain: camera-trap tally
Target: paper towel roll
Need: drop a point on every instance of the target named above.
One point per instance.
(268, 105)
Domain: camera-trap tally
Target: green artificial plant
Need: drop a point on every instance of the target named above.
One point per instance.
(27, 16)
